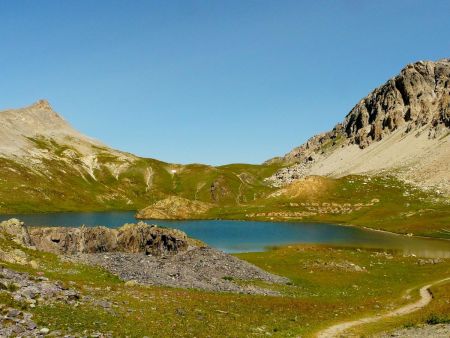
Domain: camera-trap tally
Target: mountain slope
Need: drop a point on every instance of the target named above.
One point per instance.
(402, 128)
(46, 165)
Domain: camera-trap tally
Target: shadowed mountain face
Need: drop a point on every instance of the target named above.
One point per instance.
(402, 127)
(46, 165)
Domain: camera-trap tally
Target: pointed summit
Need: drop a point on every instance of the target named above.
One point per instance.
(42, 105)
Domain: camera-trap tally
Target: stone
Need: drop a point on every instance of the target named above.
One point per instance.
(17, 230)
(44, 330)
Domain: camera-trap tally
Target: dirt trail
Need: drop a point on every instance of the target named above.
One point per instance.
(425, 298)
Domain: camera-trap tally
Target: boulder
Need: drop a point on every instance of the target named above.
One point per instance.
(17, 230)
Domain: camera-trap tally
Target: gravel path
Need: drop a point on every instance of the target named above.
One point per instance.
(430, 331)
(338, 330)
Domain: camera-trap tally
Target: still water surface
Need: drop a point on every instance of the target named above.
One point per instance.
(244, 236)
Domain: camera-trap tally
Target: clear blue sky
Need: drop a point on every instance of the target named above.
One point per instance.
(210, 81)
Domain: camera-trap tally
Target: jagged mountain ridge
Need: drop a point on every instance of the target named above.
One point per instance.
(401, 127)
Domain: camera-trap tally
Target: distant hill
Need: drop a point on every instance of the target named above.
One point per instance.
(400, 128)
(46, 165)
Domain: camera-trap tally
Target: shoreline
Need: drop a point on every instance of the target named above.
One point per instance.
(12, 215)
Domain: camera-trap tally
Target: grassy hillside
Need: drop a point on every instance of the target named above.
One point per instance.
(60, 181)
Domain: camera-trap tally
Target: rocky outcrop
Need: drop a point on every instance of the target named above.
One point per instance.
(151, 240)
(419, 96)
(174, 207)
(130, 238)
(72, 240)
(402, 126)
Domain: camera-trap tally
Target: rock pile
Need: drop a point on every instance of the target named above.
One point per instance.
(200, 268)
(137, 253)
(31, 292)
(34, 291)
(288, 175)
(16, 323)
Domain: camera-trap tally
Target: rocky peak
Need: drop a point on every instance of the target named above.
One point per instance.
(42, 105)
(416, 99)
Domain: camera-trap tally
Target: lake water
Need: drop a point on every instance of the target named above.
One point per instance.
(244, 236)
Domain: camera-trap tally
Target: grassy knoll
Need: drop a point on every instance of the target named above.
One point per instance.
(329, 284)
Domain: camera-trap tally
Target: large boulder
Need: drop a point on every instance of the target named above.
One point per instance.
(17, 230)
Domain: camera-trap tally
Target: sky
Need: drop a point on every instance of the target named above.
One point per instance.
(210, 81)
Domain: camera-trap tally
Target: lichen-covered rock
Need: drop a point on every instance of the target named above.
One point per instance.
(15, 256)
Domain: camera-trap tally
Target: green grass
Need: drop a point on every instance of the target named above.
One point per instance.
(318, 295)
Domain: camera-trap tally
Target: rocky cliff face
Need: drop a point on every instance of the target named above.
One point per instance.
(403, 124)
(419, 96)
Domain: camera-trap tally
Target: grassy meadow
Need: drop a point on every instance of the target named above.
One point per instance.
(328, 285)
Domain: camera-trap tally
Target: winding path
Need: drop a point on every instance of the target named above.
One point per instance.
(425, 299)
